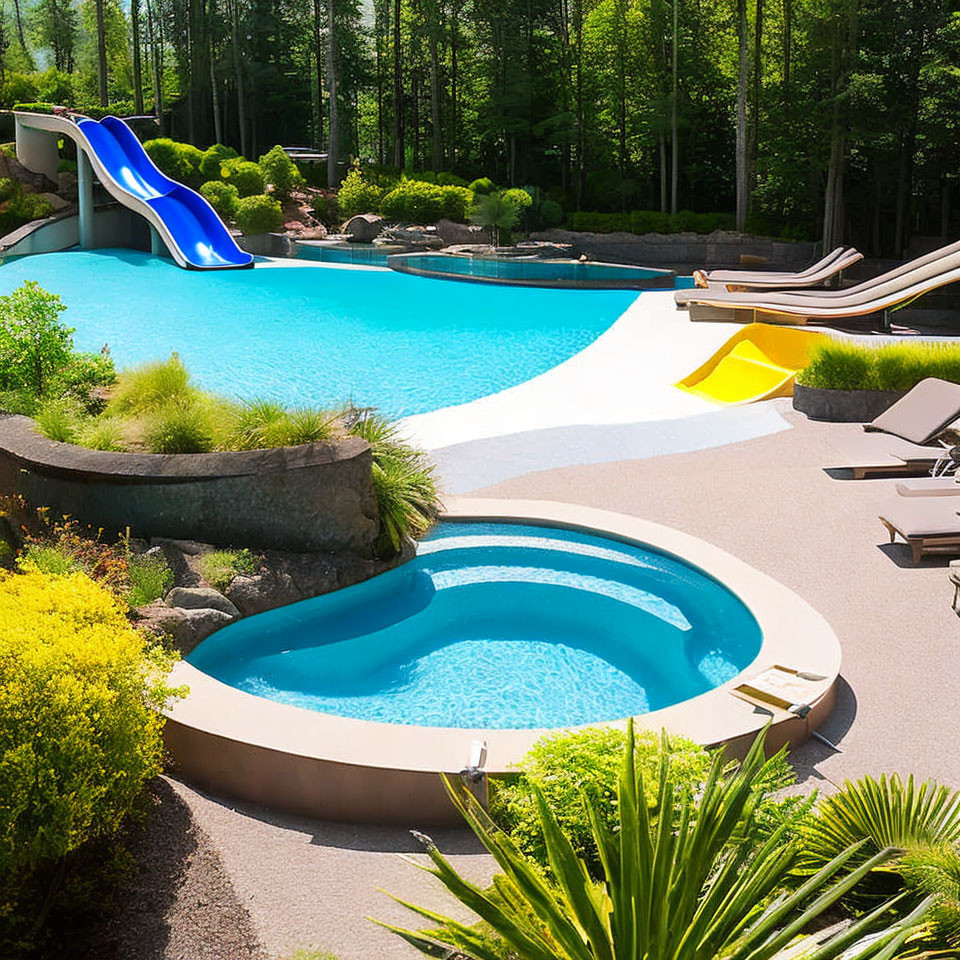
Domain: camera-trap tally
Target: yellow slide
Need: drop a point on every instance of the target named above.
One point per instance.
(756, 363)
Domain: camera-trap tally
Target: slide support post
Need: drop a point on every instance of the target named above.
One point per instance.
(85, 191)
(157, 246)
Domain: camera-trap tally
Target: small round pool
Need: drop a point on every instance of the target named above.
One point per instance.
(498, 625)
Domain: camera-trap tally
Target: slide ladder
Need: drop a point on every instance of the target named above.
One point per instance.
(758, 362)
(183, 219)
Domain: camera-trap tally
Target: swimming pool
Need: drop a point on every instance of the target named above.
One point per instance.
(340, 252)
(320, 335)
(567, 274)
(497, 625)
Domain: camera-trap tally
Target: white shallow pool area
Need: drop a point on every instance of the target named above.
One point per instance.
(613, 400)
(343, 768)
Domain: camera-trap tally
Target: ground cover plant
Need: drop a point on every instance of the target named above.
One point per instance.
(699, 882)
(219, 567)
(80, 735)
(843, 365)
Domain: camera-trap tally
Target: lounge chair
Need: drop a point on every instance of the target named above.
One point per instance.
(902, 439)
(815, 275)
(906, 282)
(955, 580)
(927, 524)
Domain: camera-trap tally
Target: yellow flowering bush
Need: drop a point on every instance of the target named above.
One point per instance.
(80, 731)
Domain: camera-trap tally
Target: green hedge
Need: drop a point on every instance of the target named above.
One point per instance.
(121, 108)
(651, 221)
(843, 365)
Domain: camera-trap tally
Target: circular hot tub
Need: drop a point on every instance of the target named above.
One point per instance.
(513, 619)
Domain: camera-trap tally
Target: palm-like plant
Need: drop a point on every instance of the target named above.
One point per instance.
(682, 890)
(883, 813)
(496, 212)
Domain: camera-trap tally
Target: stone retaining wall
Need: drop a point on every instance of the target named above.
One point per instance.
(314, 497)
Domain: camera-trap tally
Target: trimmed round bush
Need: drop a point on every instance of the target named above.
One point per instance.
(457, 202)
(246, 176)
(213, 159)
(413, 201)
(519, 197)
(258, 214)
(8, 188)
(190, 159)
(80, 727)
(357, 196)
(483, 186)
(281, 171)
(165, 153)
(223, 197)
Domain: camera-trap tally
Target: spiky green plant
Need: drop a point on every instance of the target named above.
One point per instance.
(682, 890)
(408, 500)
(101, 433)
(257, 424)
(884, 813)
(141, 389)
(59, 419)
(179, 427)
(935, 871)
(309, 425)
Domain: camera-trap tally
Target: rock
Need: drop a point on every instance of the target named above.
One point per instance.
(199, 598)
(183, 574)
(451, 232)
(364, 228)
(190, 547)
(413, 238)
(186, 628)
(57, 202)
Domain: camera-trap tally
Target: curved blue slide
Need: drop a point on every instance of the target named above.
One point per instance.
(185, 220)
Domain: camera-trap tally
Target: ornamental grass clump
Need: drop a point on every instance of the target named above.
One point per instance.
(219, 567)
(80, 732)
(846, 365)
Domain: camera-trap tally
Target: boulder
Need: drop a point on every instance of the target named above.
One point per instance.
(451, 232)
(58, 203)
(364, 228)
(200, 598)
(185, 628)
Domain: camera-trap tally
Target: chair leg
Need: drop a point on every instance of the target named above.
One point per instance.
(917, 547)
(956, 594)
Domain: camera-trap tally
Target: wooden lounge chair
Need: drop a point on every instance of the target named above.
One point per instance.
(922, 413)
(882, 456)
(819, 273)
(930, 487)
(906, 282)
(926, 524)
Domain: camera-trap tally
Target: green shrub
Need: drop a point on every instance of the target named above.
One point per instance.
(213, 159)
(81, 694)
(34, 345)
(246, 176)
(150, 577)
(179, 426)
(482, 186)
(100, 433)
(17, 88)
(845, 365)
(408, 499)
(221, 196)
(650, 221)
(413, 201)
(190, 159)
(59, 419)
(261, 424)
(518, 196)
(357, 196)
(551, 214)
(32, 206)
(50, 559)
(151, 385)
(496, 212)
(281, 171)
(258, 214)
(67, 166)
(457, 202)
(219, 567)
(165, 154)
(563, 765)
(8, 188)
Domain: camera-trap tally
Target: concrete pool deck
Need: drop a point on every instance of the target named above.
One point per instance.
(765, 500)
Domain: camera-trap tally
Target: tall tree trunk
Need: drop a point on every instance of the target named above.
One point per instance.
(101, 52)
(378, 32)
(757, 79)
(743, 197)
(333, 149)
(436, 130)
(664, 202)
(318, 54)
(581, 138)
(137, 66)
(674, 132)
(214, 95)
(787, 45)
(622, 98)
(238, 75)
(156, 64)
(454, 30)
(19, 19)
(398, 105)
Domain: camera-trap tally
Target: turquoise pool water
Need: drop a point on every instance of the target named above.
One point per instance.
(320, 335)
(497, 625)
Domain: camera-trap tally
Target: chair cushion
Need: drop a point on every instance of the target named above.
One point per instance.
(921, 414)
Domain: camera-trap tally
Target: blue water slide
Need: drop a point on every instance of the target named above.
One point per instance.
(188, 224)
